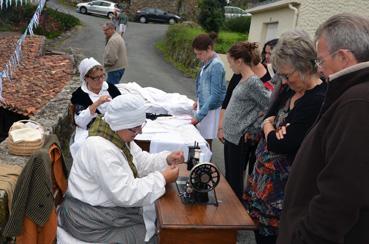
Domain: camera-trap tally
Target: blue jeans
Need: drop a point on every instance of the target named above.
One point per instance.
(114, 77)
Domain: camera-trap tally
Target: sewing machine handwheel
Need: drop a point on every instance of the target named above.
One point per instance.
(204, 177)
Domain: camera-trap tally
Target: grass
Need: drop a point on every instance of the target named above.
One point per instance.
(177, 46)
(188, 72)
(52, 23)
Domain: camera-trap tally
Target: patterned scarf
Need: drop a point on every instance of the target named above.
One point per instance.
(101, 128)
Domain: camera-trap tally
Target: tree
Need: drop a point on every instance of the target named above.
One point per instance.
(211, 15)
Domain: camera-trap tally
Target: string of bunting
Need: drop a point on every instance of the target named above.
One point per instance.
(10, 66)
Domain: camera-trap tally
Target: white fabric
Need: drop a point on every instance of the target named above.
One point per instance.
(101, 176)
(125, 111)
(172, 134)
(158, 101)
(85, 65)
(85, 117)
(122, 28)
(208, 126)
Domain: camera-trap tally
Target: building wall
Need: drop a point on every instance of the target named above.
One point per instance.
(314, 12)
(258, 28)
(311, 14)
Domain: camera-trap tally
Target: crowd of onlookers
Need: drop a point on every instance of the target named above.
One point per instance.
(296, 115)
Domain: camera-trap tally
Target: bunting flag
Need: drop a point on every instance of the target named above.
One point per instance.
(1, 86)
(10, 66)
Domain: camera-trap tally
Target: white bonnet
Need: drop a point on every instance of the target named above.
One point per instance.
(125, 112)
(85, 66)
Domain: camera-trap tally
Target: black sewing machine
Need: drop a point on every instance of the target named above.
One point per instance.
(199, 186)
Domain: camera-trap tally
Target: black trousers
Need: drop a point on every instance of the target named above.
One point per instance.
(260, 239)
(236, 158)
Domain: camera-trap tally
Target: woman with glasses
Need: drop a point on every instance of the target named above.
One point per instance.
(113, 184)
(284, 127)
(90, 99)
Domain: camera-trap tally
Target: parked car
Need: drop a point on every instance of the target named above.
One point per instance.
(99, 7)
(156, 15)
(234, 12)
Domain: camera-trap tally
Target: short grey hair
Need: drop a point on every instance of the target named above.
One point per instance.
(109, 25)
(346, 31)
(295, 48)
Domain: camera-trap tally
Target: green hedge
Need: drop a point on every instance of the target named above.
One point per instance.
(177, 45)
(52, 23)
(240, 24)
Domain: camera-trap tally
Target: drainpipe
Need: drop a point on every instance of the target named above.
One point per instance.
(295, 15)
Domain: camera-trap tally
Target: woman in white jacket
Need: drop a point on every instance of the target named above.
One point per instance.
(113, 184)
(90, 99)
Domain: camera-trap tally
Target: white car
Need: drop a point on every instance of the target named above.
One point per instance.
(99, 7)
(234, 12)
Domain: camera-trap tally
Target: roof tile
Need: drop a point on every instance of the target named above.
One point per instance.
(37, 78)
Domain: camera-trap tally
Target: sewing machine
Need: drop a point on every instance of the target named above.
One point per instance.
(199, 186)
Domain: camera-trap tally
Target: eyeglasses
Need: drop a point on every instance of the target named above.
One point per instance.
(138, 129)
(107, 29)
(320, 61)
(286, 76)
(97, 78)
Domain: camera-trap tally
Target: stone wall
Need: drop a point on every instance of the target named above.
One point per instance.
(55, 119)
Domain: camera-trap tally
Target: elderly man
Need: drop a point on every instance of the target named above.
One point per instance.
(115, 54)
(327, 196)
(113, 184)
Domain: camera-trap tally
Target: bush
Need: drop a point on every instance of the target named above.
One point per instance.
(240, 24)
(51, 23)
(177, 46)
(211, 16)
(227, 39)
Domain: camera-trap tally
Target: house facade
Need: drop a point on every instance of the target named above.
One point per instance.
(272, 19)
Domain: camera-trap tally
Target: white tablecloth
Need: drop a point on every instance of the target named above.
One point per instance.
(158, 101)
(173, 133)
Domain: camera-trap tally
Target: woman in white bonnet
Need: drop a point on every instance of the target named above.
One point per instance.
(113, 184)
(90, 99)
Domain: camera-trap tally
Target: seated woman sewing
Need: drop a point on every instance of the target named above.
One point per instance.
(113, 184)
(90, 99)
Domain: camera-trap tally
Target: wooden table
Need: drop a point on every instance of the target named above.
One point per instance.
(181, 223)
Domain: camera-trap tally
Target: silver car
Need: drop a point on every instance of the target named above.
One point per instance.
(99, 7)
(234, 12)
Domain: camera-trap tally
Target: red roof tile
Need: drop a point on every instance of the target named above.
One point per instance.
(37, 79)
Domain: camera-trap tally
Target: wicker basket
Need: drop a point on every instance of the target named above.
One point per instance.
(25, 148)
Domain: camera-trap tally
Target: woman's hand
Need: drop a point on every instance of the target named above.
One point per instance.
(270, 120)
(220, 135)
(170, 173)
(281, 131)
(175, 158)
(194, 121)
(98, 102)
(268, 126)
(103, 99)
(194, 106)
